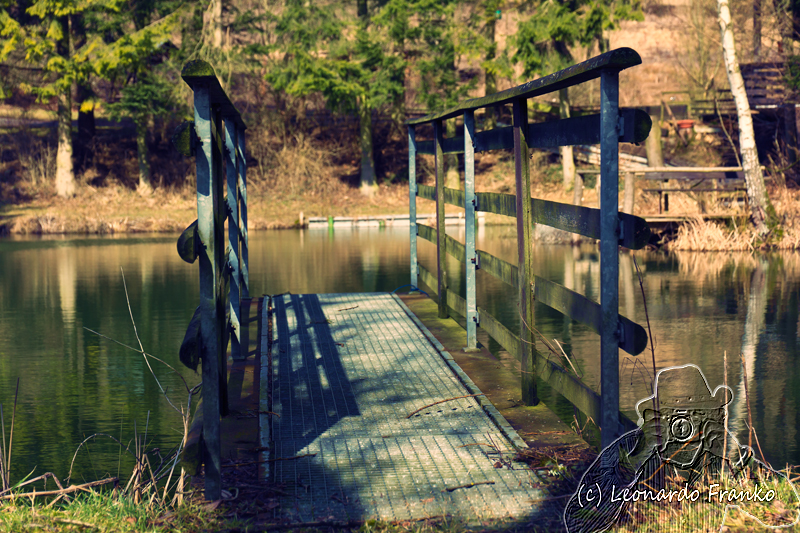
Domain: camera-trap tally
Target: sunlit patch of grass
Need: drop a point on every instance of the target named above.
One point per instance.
(105, 511)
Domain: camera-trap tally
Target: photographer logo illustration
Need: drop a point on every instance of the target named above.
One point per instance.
(680, 453)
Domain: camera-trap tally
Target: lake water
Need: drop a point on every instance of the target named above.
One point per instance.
(74, 384)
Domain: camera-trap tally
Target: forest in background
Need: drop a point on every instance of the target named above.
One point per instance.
(321, 86)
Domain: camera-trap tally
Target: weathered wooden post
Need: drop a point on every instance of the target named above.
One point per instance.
(441, 243)
(471, 258)
(412, 202)
(609, 254)
(525, 278)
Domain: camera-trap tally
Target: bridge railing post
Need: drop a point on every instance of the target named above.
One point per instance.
(412, 203)
(210, 341)
(441, 235)
(525, 287)
(224, 279)
(609, 254)
(470, 259)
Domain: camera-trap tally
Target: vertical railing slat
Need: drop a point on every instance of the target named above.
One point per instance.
(232, 200)
(208, 292)
(222, 276)
(609, 255)
(524, 250)
(470, 261)
(244, 263)
(441, 250)
(412, 203)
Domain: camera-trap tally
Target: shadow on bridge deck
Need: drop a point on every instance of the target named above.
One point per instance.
(347, 370)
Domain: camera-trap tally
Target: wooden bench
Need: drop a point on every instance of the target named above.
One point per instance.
(726, 180)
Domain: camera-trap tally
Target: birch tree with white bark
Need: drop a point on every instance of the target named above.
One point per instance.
(761, 210)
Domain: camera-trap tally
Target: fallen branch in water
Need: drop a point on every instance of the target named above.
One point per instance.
(442, 401)
(68, 490)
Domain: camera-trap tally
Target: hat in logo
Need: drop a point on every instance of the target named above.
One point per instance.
(685, 387)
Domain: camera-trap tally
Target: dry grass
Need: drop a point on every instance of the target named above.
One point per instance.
(38, 164)
(700, 235)
(704, 235)
(707, 512)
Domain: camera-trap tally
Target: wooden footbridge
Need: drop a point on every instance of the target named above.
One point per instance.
(364, 413)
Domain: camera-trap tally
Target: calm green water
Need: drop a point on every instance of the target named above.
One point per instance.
(74, 384)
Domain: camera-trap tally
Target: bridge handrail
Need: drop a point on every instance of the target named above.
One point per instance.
(607, 224)
(618, 59)
(224, 273)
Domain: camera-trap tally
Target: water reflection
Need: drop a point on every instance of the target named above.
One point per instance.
(74, 384)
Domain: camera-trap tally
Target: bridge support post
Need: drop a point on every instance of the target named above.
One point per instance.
(609, 256)
(206, 185)
(441, 243)
(471, 259)
(412, 202)
(527, 348)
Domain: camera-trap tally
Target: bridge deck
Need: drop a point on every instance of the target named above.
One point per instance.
(347, 369)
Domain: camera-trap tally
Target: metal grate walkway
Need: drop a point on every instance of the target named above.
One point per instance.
(346, 371)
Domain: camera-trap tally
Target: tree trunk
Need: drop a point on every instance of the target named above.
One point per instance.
(86, 126)
(756, 29)
(490, 80)
(567, 156)
(143, 156)
(65, 176)
(652, 145)
(368, 186)
(756, 191)
(451, 177)
(785, 16)
(216, 23)
(212, 24)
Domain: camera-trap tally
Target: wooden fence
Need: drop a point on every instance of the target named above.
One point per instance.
(608, 128)
(216, 138)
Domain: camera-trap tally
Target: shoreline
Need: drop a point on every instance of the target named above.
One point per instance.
(118, 211)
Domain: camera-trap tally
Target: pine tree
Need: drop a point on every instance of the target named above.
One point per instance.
(44, 33)
(358, 75)
(146, 93)
(544, 40)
